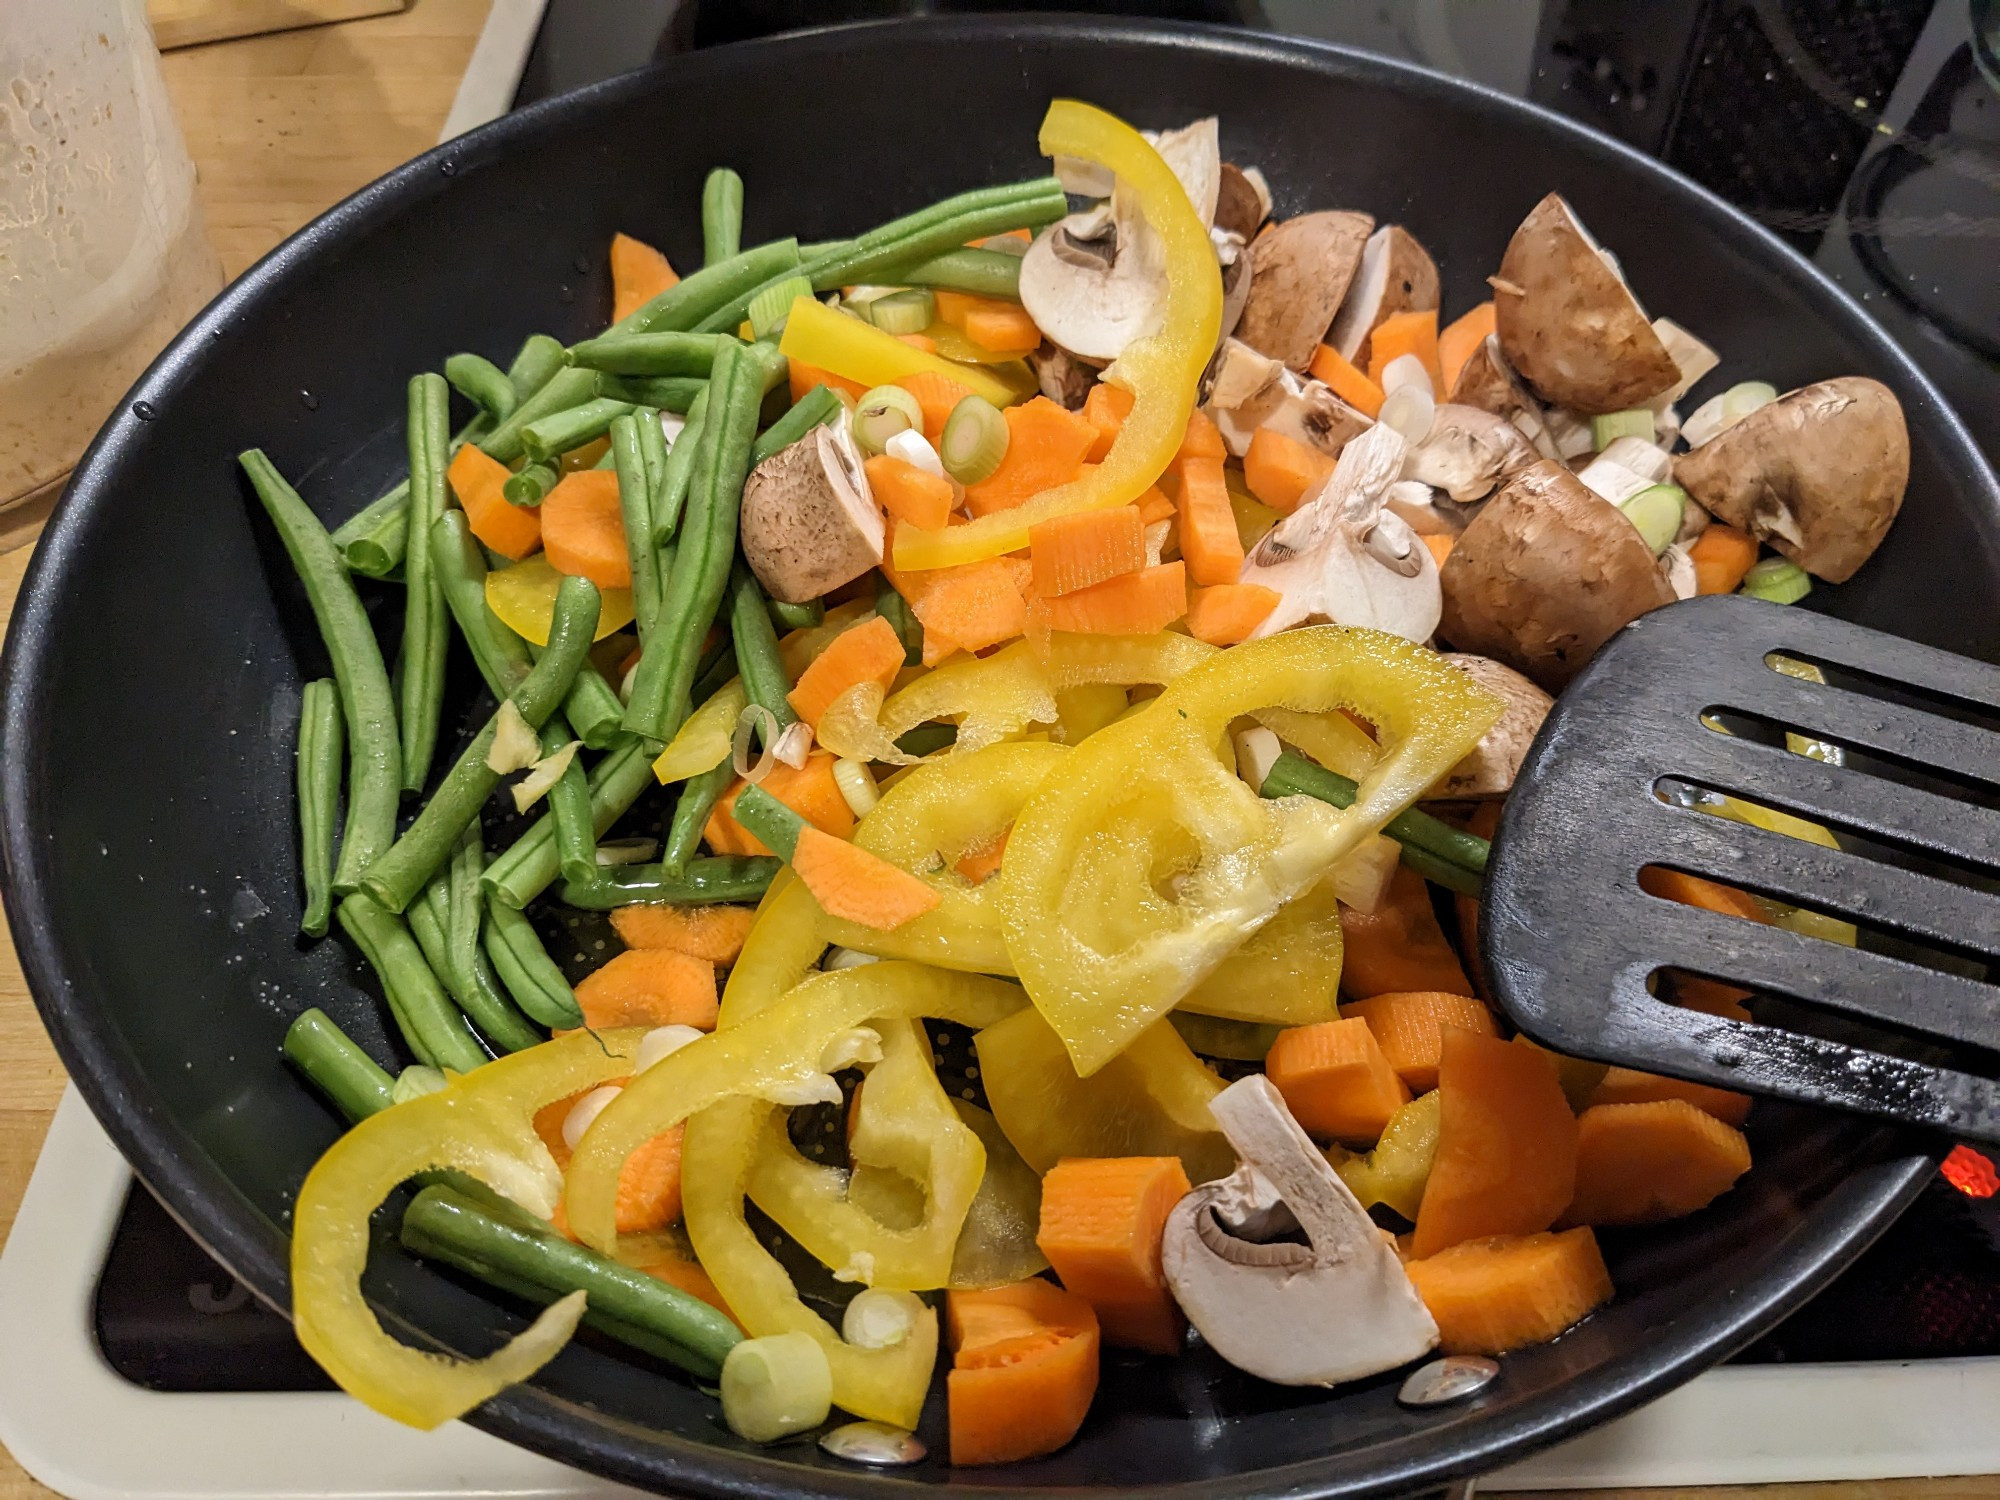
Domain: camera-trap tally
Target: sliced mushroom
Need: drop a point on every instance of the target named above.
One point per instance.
(1345, 557)
(1819, 473)
(1490, 769)
(1063, 378)
(1337, 1307)
(1239, 205)
(1195, 157)
(1428, 512)
(1304, 266)
(1546, 574)
(1488, 382)
(1396, 275)
(1468, 454)
(1096, 281)
(809, 523)
(1236, 259)
(1692, 360)
(1248, 390)
(1568, 322)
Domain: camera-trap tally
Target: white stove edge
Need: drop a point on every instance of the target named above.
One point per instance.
(79, 1428)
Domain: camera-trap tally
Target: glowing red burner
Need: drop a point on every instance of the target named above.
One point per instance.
(1971, 1173)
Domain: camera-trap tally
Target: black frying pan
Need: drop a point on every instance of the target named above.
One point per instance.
(152, 673)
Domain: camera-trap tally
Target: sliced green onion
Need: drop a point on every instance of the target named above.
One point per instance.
(769, 308)
(1613, 425)
(414, 1083)
(775, 1386)
(1777, 580)
(1657, 511)
(911, 310)
(1718, 414)
(974, 440)
(857, 786)
(880, 1319)
(883, 412)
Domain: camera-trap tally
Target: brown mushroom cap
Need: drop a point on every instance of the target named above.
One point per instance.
(1239, 207)
(1304, 266)
(1569, 324)
(1488, 382)
(1489, 770)
(1545, 574)
(809, 523)
(1819, 473)
(1062, 377)
(1396, 275)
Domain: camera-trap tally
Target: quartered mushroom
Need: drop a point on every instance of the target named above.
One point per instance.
(1248, 390)
(1337, 1307)
(809, 523)
(1545, 574)
(1242, 201)
(1819, 473)
(1062, 377)
(1304, 267)
(1488, 382)
(1567, 321)
(1396, 275)
(1468, 453)
(1096, 281)
(1345, 557)
(1491, 766)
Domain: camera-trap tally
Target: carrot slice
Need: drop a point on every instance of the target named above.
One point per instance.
(810, 791)
(1106, 408)
(1410, 1027)
(1045, 447)
(510, 530)
(1224, 613)
(649, 987)
(1085, 547)
(870, 652)
(977, 864)
(1340, 375)
(1209, 542)
(1506, 1153)
(583, 529)
(1002, 328)
(909, 493)
(649, 1185)
(1102, 1218)
(1023, 1373)
(1399, 946)
(921, 341)
(1132, 604)
(1281, 471)
(1335, 1080)
(850, 883)
(1489, 1296)
(937, 393)
(803, 377)
(639, 273)
(1630, 1086)
(973, 605)
(1642, 1163)
(1709, 895)
(1154, 507)
(1439, 547)
(1406, 333)
(1722, 556)
(714, 933)
(1458, 343)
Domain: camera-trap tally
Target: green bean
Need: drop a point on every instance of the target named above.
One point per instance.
(659, 702)
(569, 806)
(322, 742)
(894, 608)
(674, 393)
(593, 709)
(527, 869)
(815, 408)
(520, 1255)
(1292, 775)
(473, 987)
(559, 432)
(400, 872)
(699, 794)
(674, 479)
(525, 967)
(531, 486)
(483, 383)
(649, 353)
(422, 668)
(984, 273)
(716, 668)
(757, 660)
(538, 361)
(806, 616)
(430, 1023)
(502, 656)
(720, 877)
(635, 502)
(372, 541)
(1440, 871)
(490, 1009)
(691, 300)
(374, 767)
(721, 216)
(357, 1084)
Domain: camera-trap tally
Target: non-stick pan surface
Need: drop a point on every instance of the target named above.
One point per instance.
(152, 674)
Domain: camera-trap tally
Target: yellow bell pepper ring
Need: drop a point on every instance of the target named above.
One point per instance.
(1163, 371)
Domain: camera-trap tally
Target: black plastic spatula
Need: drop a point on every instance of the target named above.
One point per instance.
(1685, 707)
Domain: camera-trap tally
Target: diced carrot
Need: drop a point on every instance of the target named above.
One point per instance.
(1630, 1086)
(1340, 375)
(1202, 439)
(921, 341)
(1506, 1152)
(1074, 551)
(1131, 604)
(583, 529)
(953, 306)
(1709, 895)
(973, 605)
(856, 886)
(1493, 1295)
(802, 377)
(1722, 556)
(639, 273)
(1406, 333)
(1410, 1027)
(714, 933)
(1106, 408)
(870, 652)
(810, 791)
(1045, 447)
(1154, 506)
(976, 865)
(1281, 471)
(1709, 996)
(937, 393)
(1642, 1163)
(688, 1275)
(1438, 546)
(1024, 1370)
(1224, 613)
(1335, 1079)
(649, 987)
(1102, 1218)
(510, 530)
(1458, 342)
(1002, 328)
(1398, 947)
(909, 493)
(649, 1185)
(1209, 543)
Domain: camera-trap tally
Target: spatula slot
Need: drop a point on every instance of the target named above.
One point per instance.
(1956, 759)
(1967, 697)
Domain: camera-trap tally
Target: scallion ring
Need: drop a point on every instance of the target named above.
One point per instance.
(881, 414)
(974, 440)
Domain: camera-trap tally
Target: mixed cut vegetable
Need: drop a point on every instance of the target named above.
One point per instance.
(1030, 611)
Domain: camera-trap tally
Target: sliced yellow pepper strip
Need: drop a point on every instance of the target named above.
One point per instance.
(702, 743)
(817, 335)
(481, 1124)
(1287, 974)
(997, 1245)
(1162, 371)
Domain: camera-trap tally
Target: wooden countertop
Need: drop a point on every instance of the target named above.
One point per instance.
(281, 127)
